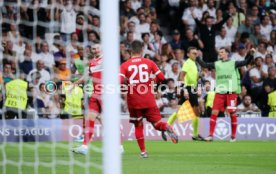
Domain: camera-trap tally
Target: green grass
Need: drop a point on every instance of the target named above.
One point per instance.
(242, 157)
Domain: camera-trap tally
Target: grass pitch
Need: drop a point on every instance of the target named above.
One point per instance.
(241, 157)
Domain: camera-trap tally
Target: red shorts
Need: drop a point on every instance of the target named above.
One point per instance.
(95, 104)
(151, 114)
(228, 100)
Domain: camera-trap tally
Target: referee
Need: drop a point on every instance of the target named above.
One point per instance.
(189, 75)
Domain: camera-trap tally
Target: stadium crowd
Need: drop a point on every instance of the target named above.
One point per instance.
(45, 43)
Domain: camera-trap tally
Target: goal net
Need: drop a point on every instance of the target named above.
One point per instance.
(45, 47)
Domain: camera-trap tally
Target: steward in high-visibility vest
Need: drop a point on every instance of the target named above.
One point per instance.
(272, 104)
(16, 94)
(73, 101)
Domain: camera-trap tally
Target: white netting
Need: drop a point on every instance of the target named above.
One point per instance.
(45, 43)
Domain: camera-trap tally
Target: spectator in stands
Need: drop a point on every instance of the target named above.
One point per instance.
(44, 74)
(255, 15)
(257, 75)
(192, 40)
(143, 26)
(230, 30)
(129, 39)
(256, 35)
(67, 16)
(131, 26)
(222, 41)
(170, 92)
(81, 27)
(176, 42)
(247, 105)
(208, 31)
(13, 34)
(46, 56)
(8, 53)
(238, 16)
(219, 16)
(156, 44)
(266, 26)
(178, 57)
(147, 45)
(147, 5)
(7, 73)
(73, 44)
(62, 72)
(168, 51)
(127, 9)
(135, 4)
(246, 27)
(27, 64)
(269, 61)
(189, 13)
(164, 66)
(240, 56)
(241, 95)
(174, 73)
(93, 37)
(154, 27)
(262, 50)
(135, 18)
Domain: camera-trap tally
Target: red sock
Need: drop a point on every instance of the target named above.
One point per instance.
(234, 123)
(89, 129)
(139, 134)
(161, 126)
(213, 122)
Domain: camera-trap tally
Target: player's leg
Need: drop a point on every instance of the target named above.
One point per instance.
(231, 108)
(137, 119)
(94, 108)
(173, 116)
(154, 117)
(218, 105)
(193, 99)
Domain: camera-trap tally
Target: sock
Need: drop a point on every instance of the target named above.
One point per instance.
(213, 121)
(172, 118)
(139, 134)
(195, 124)
(88, 131)
(161, 126)
(234, 122)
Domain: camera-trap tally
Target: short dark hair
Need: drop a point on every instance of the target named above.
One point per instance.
(224, 48)
(191, 48)
(136, 47)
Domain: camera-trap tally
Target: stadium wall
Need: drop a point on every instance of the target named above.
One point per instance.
(67, 130)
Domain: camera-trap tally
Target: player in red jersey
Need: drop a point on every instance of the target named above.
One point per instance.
(140, 97)
(95, 101)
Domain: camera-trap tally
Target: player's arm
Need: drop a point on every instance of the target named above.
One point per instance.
(159, 76)
(122, 74)
(204, 64)
(247, 60)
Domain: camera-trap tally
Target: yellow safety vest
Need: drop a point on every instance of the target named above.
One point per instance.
(73, 101)
(272, 103)
(210, 99)
(16, 94)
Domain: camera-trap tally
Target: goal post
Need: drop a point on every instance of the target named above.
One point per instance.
(111, 106)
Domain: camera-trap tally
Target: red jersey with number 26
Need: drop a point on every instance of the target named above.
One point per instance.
(138, 71)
